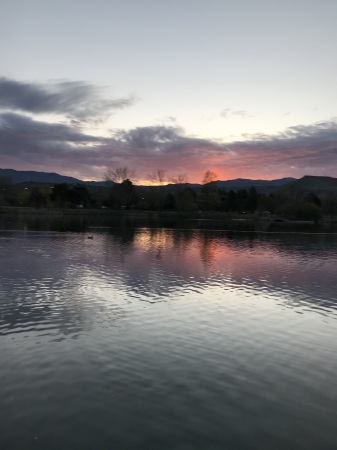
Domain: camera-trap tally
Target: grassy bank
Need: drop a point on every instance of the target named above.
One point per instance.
(79, 219)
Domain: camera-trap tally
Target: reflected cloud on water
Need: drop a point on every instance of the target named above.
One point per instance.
(299, 267)
(182, 336)
(66, 282)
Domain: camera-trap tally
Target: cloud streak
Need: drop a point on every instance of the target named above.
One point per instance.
(228, 113)
(74, 99)
(28, 143)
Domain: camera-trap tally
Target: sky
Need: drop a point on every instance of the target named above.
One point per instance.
(244, 88)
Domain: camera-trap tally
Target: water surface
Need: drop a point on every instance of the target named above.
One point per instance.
(142, 338)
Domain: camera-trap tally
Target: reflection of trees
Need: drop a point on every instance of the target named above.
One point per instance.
(154, 238)
(270, 264)
(124, 234)
(123, 195)
(182, 240)
(91, 276)
(207, 250)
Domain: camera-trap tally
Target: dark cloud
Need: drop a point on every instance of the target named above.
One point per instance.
(149, 137)
(164, 147)
(306, 149)
(76, 100)
(26, 143)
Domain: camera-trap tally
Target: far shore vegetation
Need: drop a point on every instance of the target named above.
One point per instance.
(174, 197)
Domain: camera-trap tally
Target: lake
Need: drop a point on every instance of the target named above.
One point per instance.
(157, 338)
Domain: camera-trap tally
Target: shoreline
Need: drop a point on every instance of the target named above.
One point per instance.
(82, 218)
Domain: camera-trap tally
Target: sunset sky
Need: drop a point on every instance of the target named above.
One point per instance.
(245, 88)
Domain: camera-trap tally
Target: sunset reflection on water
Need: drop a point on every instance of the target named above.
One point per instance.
(178, 334)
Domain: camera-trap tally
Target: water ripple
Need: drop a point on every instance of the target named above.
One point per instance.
(167, 340)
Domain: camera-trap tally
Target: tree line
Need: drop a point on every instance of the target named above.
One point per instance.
(164, 194)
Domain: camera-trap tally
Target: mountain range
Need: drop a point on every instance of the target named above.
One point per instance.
(321, 186)
(23, 176)
(297, 188)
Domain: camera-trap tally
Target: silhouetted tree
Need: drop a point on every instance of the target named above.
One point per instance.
(80, 195)
(157, 177)
(170, 202)
(186, 201)
(309, 211)
(266, 203)
(123, 194)
(253, 198)
(38, 197)
(60, 195)
(179, 179)
(312, 198)
(242, 200)
(232, 201)
(65, 195)
(209, 177)
(8, 194)
(209, 198)
(330, 206)
(157, 191)
(121, 174)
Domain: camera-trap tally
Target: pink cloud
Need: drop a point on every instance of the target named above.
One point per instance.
(28, 144)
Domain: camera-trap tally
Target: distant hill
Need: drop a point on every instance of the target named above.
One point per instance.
(243, 183)
(98, 183)
(21, 176)
(320, 186)
(25, 176)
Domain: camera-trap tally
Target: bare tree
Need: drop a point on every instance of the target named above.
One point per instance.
(121, 174)
(209, 177)
(179, 179)
(209, 192)
(158, 177)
